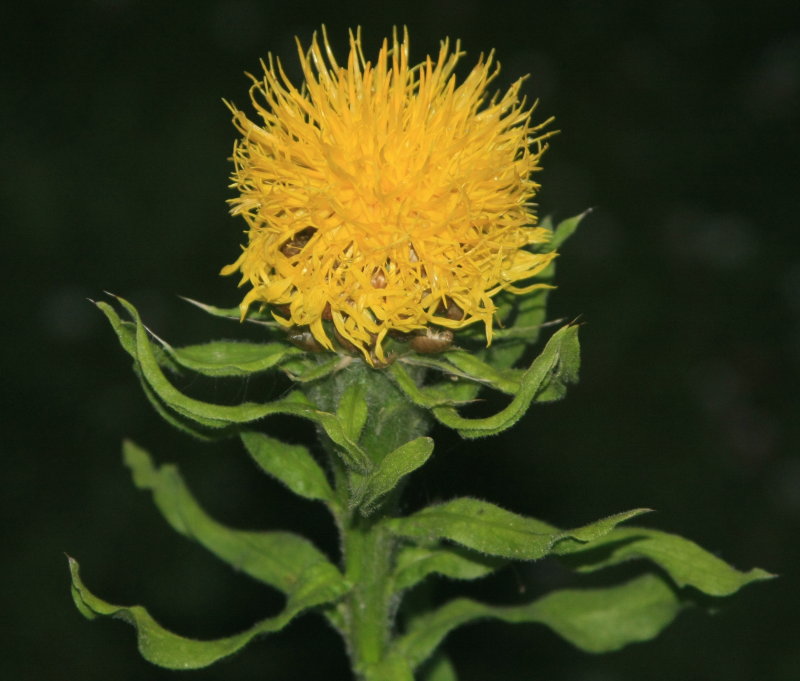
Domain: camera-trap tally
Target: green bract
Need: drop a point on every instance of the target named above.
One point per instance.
(373, 429)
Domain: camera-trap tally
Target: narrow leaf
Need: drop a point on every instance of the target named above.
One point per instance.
(352, 411)
(598, 529)
(283, 560)
(438, 668)
(484, 527)
(292, 465)
(351, 453)
(456, 391)
(126, 333)
(545, 380)
(506, 381)
(685, 562)
(424, 396)
(188, 426)
(415, 563)
(393, 468)
(166, 649)
(207, 414)
(595, 620)
(565, 229)
(305, 369)
(231, 358)
(254, 316)
(530, 311)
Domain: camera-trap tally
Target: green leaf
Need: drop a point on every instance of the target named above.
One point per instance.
(203, 412)
(529, 311)
(394, 467)
(352, 455)
(566, 228)
(593, 531)
(206, 414)
(484, 527)
(305, 369)
(459, 364)
(425, 396)
(452, 393)
(595, 620)
(166, 649)
(283, 560)
(254, 315)
(231, 358)
(544, 381)
(352, 410)
(415, 563)
(438, 668)
(605, 619)
(507, 381)
(685, 562)
(183, 424)
(292, 465)
(126, 333)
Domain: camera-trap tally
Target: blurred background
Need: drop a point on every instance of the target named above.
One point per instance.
(679, 126)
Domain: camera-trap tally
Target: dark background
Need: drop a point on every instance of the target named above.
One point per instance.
(679, 125)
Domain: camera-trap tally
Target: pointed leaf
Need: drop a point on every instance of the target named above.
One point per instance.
(439, 668)
(188, 426)
(254, 315)
(415, 563)
(305, 369)
(126, 333)
(596, 620)
(292, 465)
(283, 560)
(351, 453)
(544, 381)
(426, 396)
(393, 468)
(685, 562)
(166, 649)
(231, 358)
(451, 393)
(352, 410)
(530, 311)
(487, 528)
(565, 229)
(527, 334)
(600, 528)
(507, 381)
(207, 414)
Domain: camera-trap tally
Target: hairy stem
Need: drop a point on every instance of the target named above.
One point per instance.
(368, 554)
(366, 618)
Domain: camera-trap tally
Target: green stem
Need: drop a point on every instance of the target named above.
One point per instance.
(366, 617)
(368, 554)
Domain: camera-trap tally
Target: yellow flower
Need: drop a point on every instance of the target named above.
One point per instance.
(383, 197)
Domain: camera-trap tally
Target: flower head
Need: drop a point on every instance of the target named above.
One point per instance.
(383, 197)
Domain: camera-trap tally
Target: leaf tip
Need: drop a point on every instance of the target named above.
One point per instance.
(139, 462)
(760, 575)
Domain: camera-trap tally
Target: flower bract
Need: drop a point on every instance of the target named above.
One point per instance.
(383, 197)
